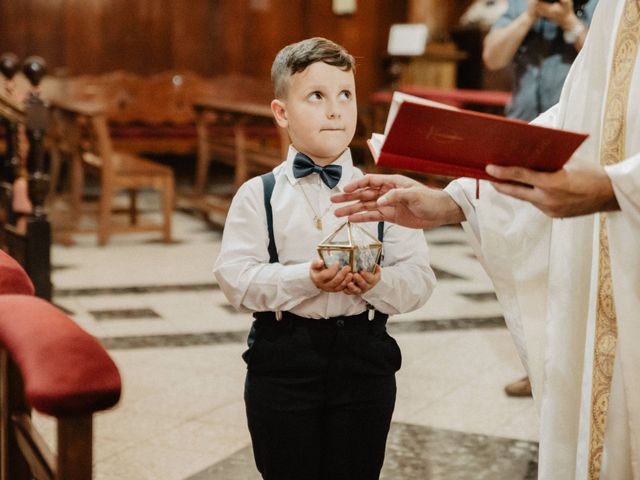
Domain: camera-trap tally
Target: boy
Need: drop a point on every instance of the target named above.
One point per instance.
(320, 386)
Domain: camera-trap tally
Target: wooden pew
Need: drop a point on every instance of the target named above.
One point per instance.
(24, 226)
(152, 114)
(49, 364)
(147, 114)
(175, 112)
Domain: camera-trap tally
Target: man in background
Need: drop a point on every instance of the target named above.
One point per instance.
(540, 39)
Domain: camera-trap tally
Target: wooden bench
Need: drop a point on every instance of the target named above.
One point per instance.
(152, 114)
(49, 364)
(147, 114)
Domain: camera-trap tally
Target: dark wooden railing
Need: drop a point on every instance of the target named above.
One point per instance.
(25, 231)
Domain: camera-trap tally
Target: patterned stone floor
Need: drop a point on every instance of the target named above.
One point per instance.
(159, 312)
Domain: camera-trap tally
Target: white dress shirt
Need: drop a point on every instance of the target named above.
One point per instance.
(251, 283)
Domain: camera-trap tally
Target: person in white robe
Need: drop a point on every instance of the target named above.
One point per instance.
(563, 252)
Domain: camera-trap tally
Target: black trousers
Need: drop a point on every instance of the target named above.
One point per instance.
(319, 396)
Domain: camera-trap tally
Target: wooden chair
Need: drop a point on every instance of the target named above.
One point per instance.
(82, 133)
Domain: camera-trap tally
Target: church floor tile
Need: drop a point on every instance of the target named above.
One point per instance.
(181, 416)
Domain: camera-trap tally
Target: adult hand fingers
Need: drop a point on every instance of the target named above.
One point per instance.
(519, 174)
(397, 195)
(380, 181)
(375, 216)
(365, 182)
(362, 195)
(369, 181)
(517, 191)
(356, 208)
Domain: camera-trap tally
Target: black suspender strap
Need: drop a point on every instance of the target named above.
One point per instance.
(380, 239)
(268, 182)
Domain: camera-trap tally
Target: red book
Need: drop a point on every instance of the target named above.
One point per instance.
(430, 137)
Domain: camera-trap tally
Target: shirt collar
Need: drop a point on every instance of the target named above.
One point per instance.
(343, 160)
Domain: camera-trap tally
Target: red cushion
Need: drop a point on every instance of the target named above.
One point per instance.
(13, 279)
(457, 97)
(65, 370)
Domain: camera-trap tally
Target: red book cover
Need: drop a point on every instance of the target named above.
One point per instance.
(432, 138)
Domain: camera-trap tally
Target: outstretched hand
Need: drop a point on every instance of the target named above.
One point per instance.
(569, 192)
(397, 199)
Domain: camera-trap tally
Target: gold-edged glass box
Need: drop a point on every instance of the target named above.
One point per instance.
(351, 245)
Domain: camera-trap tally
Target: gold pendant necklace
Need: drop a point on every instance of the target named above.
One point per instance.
(317, 217)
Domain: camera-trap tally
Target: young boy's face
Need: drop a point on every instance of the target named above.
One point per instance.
(319, 112)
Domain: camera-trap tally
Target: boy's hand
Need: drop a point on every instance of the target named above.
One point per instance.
(332, 279)
(363, 282)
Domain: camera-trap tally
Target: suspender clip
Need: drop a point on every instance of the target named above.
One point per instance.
(371, 312)
(278, 315)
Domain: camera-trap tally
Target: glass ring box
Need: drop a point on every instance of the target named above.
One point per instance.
(351, 245)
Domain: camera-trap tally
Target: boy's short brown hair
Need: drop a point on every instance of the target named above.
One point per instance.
(296, 57)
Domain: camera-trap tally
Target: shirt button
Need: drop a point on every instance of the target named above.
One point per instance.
(340, 323)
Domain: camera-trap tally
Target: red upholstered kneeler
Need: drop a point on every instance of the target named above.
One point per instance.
(65, 370)
(49, 363)
(13, 279)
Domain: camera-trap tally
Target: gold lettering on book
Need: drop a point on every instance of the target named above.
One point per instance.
(435, 134)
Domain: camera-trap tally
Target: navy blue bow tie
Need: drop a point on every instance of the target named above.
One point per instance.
(303, 166)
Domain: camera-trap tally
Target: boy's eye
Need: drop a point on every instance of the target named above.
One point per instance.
(315, 96)
(346, 94)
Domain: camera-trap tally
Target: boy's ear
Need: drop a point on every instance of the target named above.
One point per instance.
(279, 110)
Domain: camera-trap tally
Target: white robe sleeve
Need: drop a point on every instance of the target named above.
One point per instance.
(625, 178)
(511, 239)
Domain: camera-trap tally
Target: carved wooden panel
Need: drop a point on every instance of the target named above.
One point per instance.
(207, 37)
